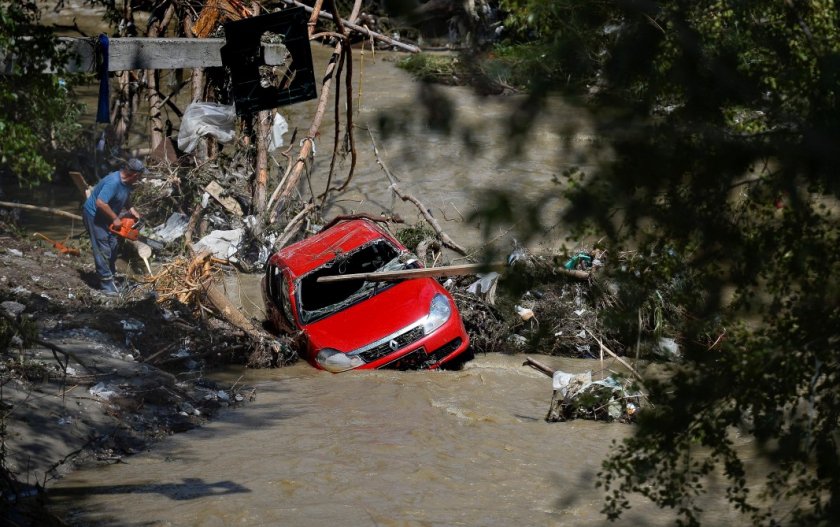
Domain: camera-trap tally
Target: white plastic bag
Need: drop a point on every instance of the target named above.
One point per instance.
(278, 128)
(206, 118)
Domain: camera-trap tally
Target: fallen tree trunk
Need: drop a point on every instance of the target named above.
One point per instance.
(270, 349)
(49, 210)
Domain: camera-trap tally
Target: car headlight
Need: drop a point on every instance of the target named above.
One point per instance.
(439, 312)
(336, 362)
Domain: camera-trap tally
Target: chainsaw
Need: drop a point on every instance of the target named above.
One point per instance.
(130, 230)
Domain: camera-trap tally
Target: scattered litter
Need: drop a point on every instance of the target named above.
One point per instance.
(102, 391)
(36, 278)
(518, 340)
(580, 312)
(581, 334)
(12, 308)
(130, 324)
(22, 291)
(174, 227)
(14, 252)
(188, 409)
(524, 313)
(667, 348)
(278, 128)
(222, 244)
(485, 287)
(182, 353)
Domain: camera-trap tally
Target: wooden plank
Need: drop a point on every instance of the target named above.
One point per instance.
(428, 272)
(136, 53)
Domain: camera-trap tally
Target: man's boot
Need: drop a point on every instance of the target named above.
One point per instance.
(109, 287)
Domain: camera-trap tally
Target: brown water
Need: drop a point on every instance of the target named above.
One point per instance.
(386, 448)
(369, 448)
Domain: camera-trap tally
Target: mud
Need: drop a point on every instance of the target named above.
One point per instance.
(105, 377)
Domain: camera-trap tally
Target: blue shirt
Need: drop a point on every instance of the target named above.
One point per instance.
(112, 191)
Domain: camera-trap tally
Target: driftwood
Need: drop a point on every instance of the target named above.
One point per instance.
(281, 351)
(540, 367)
(289, 184)
(444, 238)
(49, 210)
(361, 29)
(156, 125)
(616, 357)
(365, 215)
(292, 226)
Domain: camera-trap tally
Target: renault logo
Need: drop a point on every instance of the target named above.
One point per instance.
(394, 345)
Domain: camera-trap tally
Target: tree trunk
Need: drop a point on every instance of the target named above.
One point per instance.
(156, 132)
(263, 130)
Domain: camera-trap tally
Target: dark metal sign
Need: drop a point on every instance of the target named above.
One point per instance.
(256, 85)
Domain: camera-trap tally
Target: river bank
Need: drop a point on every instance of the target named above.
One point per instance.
(103, 377)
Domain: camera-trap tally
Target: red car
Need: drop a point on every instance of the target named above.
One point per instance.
(359, 324)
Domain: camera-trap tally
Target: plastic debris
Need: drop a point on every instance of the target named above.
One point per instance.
(524, 313)
(222, 244)
(206, 118)
(102, 391)
(485, 287)
(278, 128)
(174, 227)
(577, 396)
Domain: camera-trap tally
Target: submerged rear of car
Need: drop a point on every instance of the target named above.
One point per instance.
(361, 324)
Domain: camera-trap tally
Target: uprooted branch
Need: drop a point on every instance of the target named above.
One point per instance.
(361, 29)
(444, 238)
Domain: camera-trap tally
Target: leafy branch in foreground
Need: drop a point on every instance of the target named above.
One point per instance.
(39, 116)
(722, 120)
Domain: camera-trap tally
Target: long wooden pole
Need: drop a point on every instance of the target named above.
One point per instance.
(388, 276)
(428, 272)
(40, 209)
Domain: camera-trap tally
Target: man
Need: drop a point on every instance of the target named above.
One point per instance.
(102, 209)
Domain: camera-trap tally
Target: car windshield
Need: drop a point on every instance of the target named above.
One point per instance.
(318, 300)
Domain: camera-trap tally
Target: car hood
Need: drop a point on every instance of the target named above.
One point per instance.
(379, 316)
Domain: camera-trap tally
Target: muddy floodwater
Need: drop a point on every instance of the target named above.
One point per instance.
(378, 448)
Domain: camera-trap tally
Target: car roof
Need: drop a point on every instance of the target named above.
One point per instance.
(312, 252)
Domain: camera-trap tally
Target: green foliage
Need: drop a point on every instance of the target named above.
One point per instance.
(432, 68)
(412, 235)
(39, 117)
(555, 44)
(723, 121)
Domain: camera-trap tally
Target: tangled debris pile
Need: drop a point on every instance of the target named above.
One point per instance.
(579, 397)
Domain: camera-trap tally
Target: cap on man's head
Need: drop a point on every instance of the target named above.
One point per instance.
(135, 165)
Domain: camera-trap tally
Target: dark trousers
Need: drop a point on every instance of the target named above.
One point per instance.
(103, 244)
